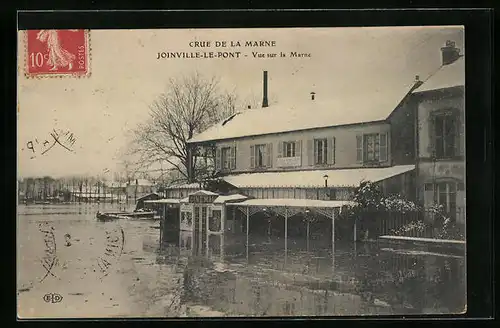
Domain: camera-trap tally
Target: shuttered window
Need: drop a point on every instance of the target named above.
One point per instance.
(372, 148)
(446, 135)
(218, 156)
(289, 149)
(261, 156)
(331, 151)
(320, 151)
(227, 158)
(233, 158)
(359, 149)
(383, 147)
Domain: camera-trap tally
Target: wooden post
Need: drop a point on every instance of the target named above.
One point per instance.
(161, 233)
(221, 247)
(180, 218)
(223, 218)
(333, 238)
(248, 217)
(200, 231)
(286, 233)
(207, 231)
(307, 234)
(355, 231)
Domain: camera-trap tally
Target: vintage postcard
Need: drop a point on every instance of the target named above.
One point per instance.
(241, 172)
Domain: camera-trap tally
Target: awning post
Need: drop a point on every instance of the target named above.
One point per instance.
(355, 231)
(248, 218)
(221, 247)
(333, 238)
(161, 232)
(200, 232)
(286, 233)
(207, 231)
(307, 233)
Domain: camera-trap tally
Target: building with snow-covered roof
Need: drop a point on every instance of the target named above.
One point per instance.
(313, 150)
(317, 153)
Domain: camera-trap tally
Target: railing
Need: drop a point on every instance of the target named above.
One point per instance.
(421, 224)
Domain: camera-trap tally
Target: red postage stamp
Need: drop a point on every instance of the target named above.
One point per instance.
(57, 53)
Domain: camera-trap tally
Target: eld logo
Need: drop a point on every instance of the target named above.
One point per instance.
(52, 298)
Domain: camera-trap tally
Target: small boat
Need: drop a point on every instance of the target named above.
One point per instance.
(109, 216)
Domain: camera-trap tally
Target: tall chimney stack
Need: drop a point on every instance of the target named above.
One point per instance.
(265, 102)
(449, 53)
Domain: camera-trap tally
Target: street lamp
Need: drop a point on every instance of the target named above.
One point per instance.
(326, 185)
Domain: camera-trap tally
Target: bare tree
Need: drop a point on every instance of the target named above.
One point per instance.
(190, 105)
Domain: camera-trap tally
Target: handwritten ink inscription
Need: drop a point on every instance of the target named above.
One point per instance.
(61, 138)
(49, 260)
(115, 241)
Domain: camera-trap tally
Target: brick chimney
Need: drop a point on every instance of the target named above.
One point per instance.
(449, 53)
(265, 102)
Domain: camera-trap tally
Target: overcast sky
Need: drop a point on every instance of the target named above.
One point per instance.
(126, 77)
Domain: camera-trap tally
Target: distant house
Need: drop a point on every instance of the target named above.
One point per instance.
(140, 201)
(138, 188)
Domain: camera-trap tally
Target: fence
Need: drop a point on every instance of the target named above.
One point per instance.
(420, 224)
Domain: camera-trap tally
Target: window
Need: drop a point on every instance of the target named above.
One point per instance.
(445, 194)
(260, 153)
(320, 151)
(289, 149)
(186, 218)
(371, 148)
(215, 221)
(226, 158)
(445, 135)
(260, 156)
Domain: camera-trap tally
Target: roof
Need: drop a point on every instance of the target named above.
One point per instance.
(184, 186)
(363, 108)
(204, 193)
(448, 76)
(291, 202)
(229, 198)
(163, 201)
(148, 196)
(314, 178)
(142, 182)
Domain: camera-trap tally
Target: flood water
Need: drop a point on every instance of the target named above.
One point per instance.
(63, 250)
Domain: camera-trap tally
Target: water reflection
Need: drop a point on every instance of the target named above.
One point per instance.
(226, 276)
(264, 278)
